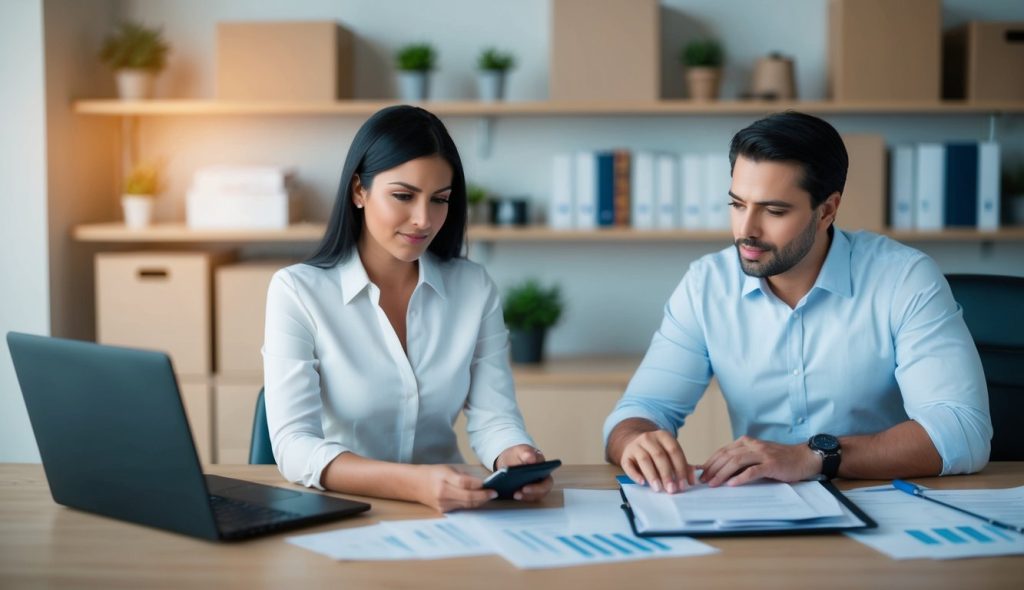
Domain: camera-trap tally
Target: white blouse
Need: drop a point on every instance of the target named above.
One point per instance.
(337, 378)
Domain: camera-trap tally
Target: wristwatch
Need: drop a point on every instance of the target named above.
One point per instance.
(831, 452)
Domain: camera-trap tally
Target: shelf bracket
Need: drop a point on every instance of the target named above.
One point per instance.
(486, 136)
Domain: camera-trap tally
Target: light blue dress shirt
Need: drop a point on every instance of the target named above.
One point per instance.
(877, 340)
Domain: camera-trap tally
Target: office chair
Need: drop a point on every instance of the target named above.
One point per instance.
(260, 451)
(994, 314)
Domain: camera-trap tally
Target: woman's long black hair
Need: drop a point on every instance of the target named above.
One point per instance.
(392, 137)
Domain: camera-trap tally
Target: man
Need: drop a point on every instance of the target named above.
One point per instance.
(839, 354)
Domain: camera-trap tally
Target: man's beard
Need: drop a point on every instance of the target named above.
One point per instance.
(779, 261)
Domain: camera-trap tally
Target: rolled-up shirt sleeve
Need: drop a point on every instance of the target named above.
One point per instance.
(493, 420)
(676, 369)
(292, 387)
(938, 369)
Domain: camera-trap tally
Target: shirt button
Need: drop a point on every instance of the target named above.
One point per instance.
(796, 371)
(800, 420)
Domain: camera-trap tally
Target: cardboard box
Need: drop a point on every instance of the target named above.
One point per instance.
(885, 50)
(290, 60)
(864, 199)
(235, 404)
(605, 50)
(198, 401)
(984, 61)
(241, 305)
(161, 301)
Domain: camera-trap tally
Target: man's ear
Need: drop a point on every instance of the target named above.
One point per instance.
(830, 208)
(359, 192)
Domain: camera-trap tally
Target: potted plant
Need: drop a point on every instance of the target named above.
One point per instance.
(414, 63)
(140, 188)
(703, 61)
(494, 66)
(530, 310)
(476, 197)
(137, 54)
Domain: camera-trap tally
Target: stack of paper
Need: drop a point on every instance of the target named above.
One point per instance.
(914, 528)
(804, 505)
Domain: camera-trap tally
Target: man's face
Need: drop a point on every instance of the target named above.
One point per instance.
(773, 224)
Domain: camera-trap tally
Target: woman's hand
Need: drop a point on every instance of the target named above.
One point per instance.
(522, 455)
(444, 489)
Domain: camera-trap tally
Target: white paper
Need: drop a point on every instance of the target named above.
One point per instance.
(436, 538)
(914, 528)
(544, 538)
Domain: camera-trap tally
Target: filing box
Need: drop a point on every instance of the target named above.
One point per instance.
(885, 49)
(605, 50)
(235, 404)
(984, 61)
(197, 397)
(241, 304)
(864, 203)
(284, 60)
(161, 301)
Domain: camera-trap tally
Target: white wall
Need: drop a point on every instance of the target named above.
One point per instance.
(24, 267)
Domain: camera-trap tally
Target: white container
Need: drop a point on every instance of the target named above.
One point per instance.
(490, 85)
(225, 210)
(413, 86)
(138, 210)
(135, 84)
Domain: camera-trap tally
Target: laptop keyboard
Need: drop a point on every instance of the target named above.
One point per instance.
(235, 515)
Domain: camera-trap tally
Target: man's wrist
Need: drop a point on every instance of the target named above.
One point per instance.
(814, 462)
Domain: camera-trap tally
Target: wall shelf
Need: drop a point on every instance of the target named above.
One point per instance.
(116, 232)
(189, 107)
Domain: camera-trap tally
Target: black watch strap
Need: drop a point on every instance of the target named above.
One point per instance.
(831, 452)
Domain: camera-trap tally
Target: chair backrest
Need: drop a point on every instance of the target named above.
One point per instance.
(260, 451)
(993, 308)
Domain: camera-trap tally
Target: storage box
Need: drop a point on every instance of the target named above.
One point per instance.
(885, 49)
(161, 301)
(224, 210)
(235, 404)
(605, 50)
(864, 203)
(198, 401)
(984, 61)
(241, 304)
(292, 60)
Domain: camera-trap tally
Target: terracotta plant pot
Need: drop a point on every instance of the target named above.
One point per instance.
(703, 82)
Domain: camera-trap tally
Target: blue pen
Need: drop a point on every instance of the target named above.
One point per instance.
(914, 490)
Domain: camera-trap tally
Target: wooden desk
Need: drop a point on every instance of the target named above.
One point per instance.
(43, 544)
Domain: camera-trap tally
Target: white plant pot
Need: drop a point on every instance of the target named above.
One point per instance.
(135, 84)
(413, 86)
(490, 85)
(138, 210)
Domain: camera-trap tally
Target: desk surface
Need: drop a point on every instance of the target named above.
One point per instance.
(43, 544)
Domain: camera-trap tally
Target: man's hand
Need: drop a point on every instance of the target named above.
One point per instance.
(747, 459)
(522, 455)
(656, 457)
(444, 489)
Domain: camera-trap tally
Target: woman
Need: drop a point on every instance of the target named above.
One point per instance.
(375, 344)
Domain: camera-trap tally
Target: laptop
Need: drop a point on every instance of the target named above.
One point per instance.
(115, 441)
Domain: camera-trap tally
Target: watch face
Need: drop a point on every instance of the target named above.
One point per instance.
(825, 442)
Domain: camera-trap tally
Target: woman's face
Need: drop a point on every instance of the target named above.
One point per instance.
(404, 208)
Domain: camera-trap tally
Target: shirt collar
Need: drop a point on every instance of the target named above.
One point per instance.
(834, 275)
(354, 278)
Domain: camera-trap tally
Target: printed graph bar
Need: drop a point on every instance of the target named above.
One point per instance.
(950, 536)
(922, 537)
(974, 534)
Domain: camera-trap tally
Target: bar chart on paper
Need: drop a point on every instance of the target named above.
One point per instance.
(913, 528)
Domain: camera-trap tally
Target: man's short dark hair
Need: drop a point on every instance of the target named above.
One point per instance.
(802, 139)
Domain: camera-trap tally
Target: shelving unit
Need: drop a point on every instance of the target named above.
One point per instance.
(188, 107)
(311, 232)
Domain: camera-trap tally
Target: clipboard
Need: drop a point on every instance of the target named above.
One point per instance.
(795, 528)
